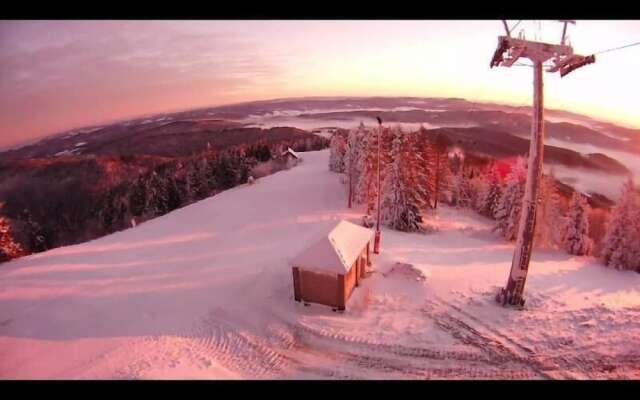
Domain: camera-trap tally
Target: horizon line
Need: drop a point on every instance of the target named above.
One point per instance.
(103, 123)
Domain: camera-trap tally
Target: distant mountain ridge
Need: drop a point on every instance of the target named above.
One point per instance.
(493, 129)
(305, 104)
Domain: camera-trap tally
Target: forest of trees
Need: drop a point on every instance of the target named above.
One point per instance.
(49, 214)
(419, 169)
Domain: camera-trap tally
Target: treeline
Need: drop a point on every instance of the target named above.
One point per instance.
(39, 217)
(419, 169)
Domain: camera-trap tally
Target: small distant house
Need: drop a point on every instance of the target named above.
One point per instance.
(290, 157)
(327, 271)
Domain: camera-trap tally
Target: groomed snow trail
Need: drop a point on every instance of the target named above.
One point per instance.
(205, 293)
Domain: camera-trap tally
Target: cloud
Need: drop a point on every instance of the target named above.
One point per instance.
(54, 69)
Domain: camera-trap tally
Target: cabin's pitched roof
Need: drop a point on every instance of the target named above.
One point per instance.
(291, 152)
(336, 251)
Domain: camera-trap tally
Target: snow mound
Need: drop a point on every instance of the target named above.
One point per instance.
(406, 271)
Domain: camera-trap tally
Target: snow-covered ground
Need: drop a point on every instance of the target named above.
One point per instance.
(205, 292)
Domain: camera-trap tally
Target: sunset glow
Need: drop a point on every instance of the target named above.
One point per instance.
(57, 75)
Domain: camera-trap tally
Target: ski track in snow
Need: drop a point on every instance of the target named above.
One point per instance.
(211, 299)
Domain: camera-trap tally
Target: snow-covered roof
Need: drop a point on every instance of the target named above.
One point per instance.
(290, 151)
(336, 251)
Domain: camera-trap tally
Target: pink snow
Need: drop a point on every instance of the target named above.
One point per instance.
(205, 292)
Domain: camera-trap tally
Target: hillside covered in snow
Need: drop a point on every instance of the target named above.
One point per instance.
(205, 292)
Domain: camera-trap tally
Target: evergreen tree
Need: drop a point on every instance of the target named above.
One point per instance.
(208, 170)
(224, 174)
(550, 219)
(107, 211)
(265, 154)
(260, 152)
(399, 208)
(576, 239)
(244, 166)
(36, 234)
(359, 155)
(337, 148)
(158, 199)
(461, 191)
(442, 175)
(420, 159)
(621, 239)
(507, 213)
(633, 239)
(138, 197)
(489, 196)
(9, 248)
(350, 158)
(174, 199)
(365, 190)
(196, 186)
(121, 212)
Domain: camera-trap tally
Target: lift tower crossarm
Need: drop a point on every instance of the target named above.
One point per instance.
(535, 51)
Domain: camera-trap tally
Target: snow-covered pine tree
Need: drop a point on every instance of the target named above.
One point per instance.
(576, 239)
(224, 173)
(365, 189)
(619, 241)
(36, 235)
(361, 145)
(442, 175)
(461, 190)
(399, 209)
(634, 237)
(477, 186)
(550, 215)
(158, 198)
(107, 211)
(196, 185)
(350, 160)
(337, 148)
(418, 162)
(208, 171)
(392, 185)
(244, 166)
(138, 197)
(482, 188)
(507, 213)
(174, 198)
(489, 196)
(9, 248)
(426, 165)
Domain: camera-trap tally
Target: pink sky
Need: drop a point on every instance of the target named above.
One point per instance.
(57, 75)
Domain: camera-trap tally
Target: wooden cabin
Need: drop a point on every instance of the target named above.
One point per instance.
(328, 271)
(290, 157)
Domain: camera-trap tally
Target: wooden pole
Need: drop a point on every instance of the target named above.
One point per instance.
(522, 254)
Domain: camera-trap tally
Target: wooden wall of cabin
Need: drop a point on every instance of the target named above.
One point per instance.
(328, 289)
